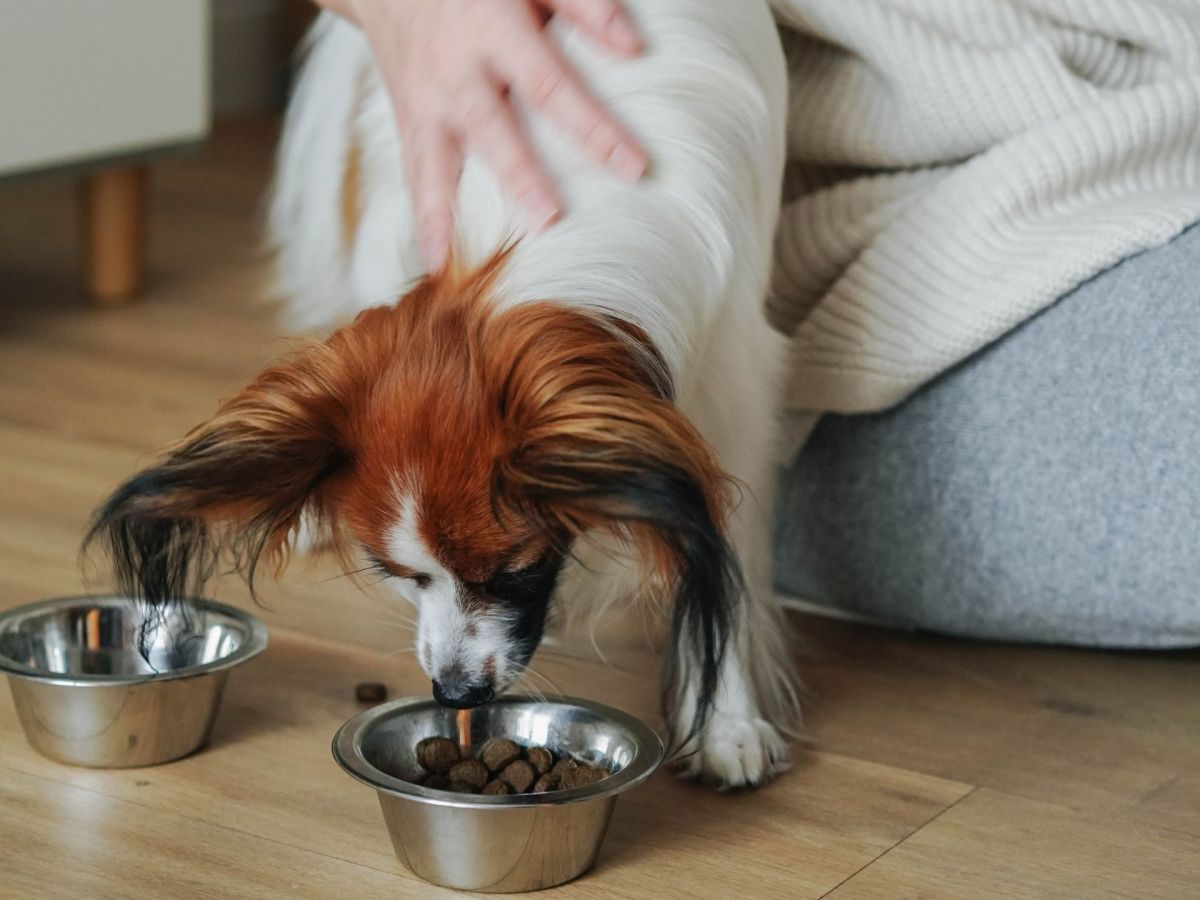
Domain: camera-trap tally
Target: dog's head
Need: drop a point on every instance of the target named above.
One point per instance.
(463, 447)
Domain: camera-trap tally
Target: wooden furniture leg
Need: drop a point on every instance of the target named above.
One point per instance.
(113, 205)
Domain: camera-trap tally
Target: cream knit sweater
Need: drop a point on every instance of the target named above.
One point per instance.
(957, 165)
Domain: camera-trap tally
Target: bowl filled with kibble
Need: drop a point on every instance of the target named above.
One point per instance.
(515, 795)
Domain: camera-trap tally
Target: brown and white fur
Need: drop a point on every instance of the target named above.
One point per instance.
(583, 417)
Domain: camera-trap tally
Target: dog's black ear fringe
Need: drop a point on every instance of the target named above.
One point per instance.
(670, 503)
(160, 560)
(157, 561)
(706, 593)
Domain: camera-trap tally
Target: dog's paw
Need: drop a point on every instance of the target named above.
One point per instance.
(736, 753)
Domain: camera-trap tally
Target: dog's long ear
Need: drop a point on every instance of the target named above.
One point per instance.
(236, 485)
(598, 444)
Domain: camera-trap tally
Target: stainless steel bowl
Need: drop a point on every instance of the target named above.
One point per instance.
(86, 695)
(521, 842)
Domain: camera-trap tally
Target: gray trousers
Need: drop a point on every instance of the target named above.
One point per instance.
(1046, 490)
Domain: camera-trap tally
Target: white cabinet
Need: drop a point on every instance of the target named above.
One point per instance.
(86, 80)
(101, 86)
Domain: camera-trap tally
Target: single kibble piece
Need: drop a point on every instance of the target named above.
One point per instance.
(520, 775)
(463, 787)
(540, 758)
(564, 765)
(437, 754)
(471, 771)
(370, 692)
(496, 788)
(548, 782)
(436, 781)
(580, 776)
(497, 753)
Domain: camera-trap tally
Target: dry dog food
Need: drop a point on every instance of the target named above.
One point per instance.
(579, 776)
(519, 775)
(470, 771)
(498, 753)
(540, 758)
(437, 755)
(370, 692)
(500, 767)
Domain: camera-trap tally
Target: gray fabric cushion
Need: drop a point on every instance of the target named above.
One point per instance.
(1046, 490)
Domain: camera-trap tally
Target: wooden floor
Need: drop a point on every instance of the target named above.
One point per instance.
(936, 768)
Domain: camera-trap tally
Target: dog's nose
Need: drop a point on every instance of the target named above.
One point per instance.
(453, 689)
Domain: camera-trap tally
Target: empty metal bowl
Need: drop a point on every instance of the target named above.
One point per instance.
(520, 842)
(86, 694)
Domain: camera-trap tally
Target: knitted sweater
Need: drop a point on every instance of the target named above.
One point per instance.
(957, 165)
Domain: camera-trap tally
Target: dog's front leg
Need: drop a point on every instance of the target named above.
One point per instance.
(740, 744)
(736, 747)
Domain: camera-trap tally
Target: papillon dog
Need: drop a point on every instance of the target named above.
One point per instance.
(582, 417)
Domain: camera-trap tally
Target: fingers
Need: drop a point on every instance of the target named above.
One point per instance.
(538, 72)
(489, 125)
(605, 20)
(432, 154)
(451, 69)
(433, 160)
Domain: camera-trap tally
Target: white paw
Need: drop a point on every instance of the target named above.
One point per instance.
(736, 752)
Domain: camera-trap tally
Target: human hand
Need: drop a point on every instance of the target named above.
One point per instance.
(452, 69)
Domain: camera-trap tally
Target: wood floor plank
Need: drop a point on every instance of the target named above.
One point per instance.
(997, 845)
(62, 841)
(1095, 730)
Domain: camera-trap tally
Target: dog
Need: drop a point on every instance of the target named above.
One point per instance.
(584, 417)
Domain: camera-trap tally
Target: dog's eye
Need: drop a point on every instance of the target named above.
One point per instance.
(388, 570)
